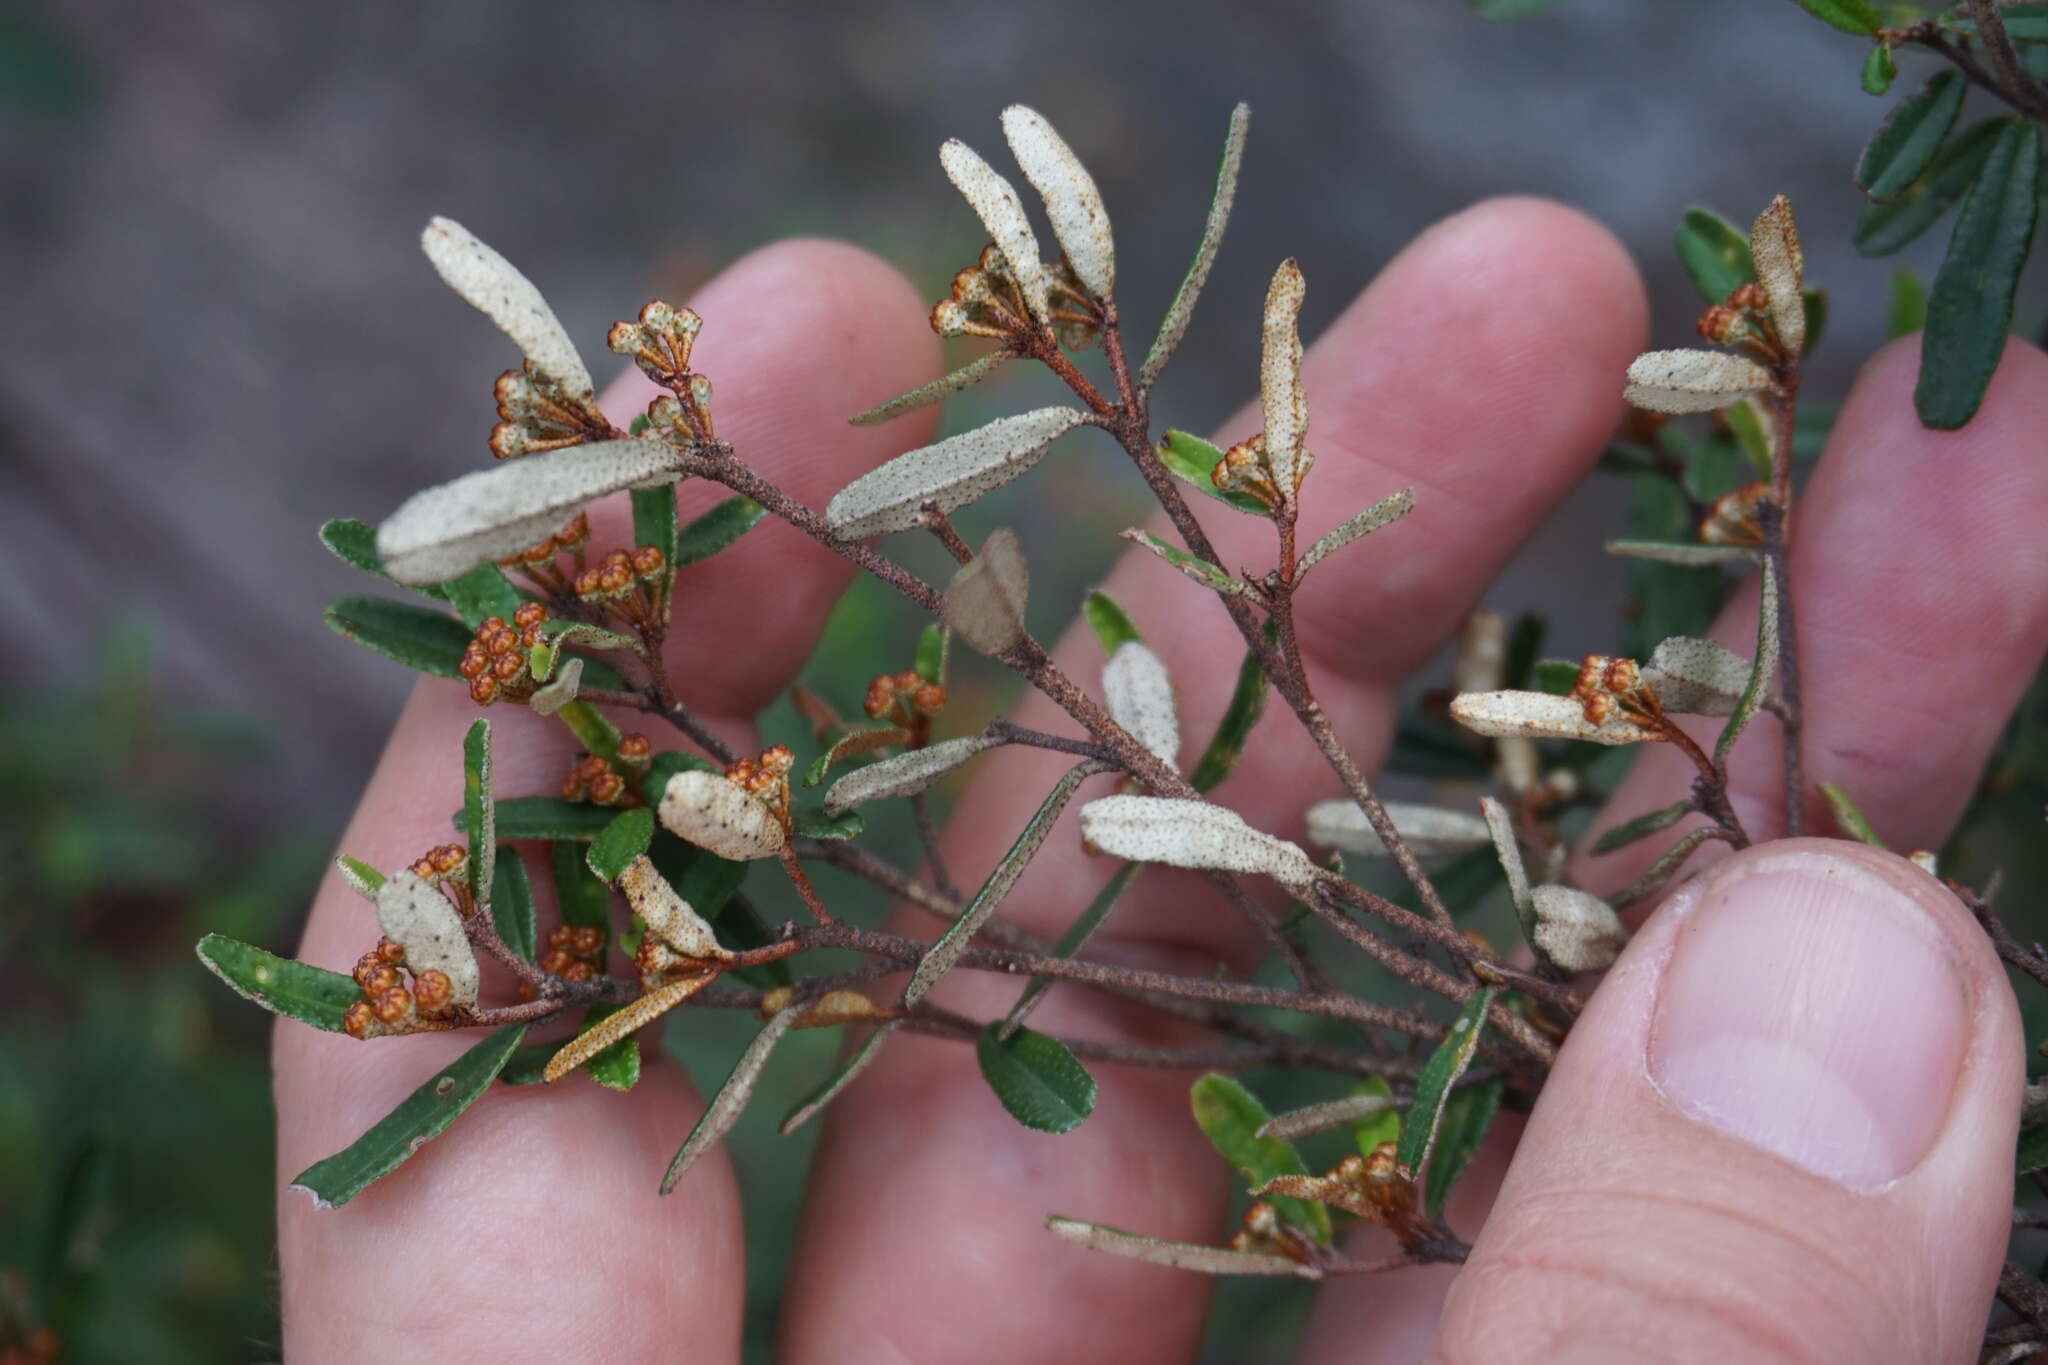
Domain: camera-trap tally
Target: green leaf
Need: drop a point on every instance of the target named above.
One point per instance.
(731, 1100)
(1427, 745)
(1847, 817)
(1231, 1116)
(1880, 69)
(1814, 304)
(1906, 311)
(1111, 626)
(813, 1104)
(596, 734)
(581, 897)
(620, 842)
(1905, 144)
(1715, 253)
(654, 523)
(1192, 459)
(1381, 1127)
(354, 543)
(1642, 826)
(512, 903)
(1174, 325)
(1501, 11)
(618, 1066)
(2033, 1150)
(707, 881)
(1555, 676)
(1467, 1116)
(1036, 1078)
(422, 1115)
(361, 877)
(545, 817)
(718, 528)
(417, 637)
(1201, 570)
(482, 592)
(1746, 421)
(1433, 1083)
(1882, 229)
(1970, 309)
(932, 644)
(1850, 16)
(665, 766)
(478, 821)
(1075, 938)
(811, 822)
(1763, 671)
(1226, 746)
(297, 990)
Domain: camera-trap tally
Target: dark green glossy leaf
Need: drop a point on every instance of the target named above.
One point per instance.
(654, 523)
(581, 897)
(718, 528)
(618, 1066)
(1226, 746)
(1714, 252)
(297, 990)
(1111, 625)
(932, 644)
(1231, 1116)
(482, 592)
(1191, 458)
(1036, 1078)
(418, 637)
(1906, 143)
(1880, 69)
(1433, 1083)
(1642, 826)
(354, 543)
(620, 842)
(478, 821)
(1906, 307)
(422, 1115)
(545, 817)
(811, 822)
(1850, 16)
(1882, 229)
(1466, 1118)
(1969, 311)
(512, 903)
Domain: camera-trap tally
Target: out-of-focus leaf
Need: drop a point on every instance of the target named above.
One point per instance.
(1381, 1127)
(1428, 746)
(1466, 1117)
(811, 1105)
(620, 842)
(1419, 1132)
(1076, 936)
(418, 637)
(1848, 818)
(666, 765)
(1850, 16)
(478, 822)
(512, 903)
(2033, 1150)
(545, 817)
(1715, 253)
(1193, 460)
(812, 822)
(1905, 144)
(1882, 229)
(1906, 309)
(297, 990)
(718, 528)
(931, 653)
(1036, 1078)
(1763, 672)
(1880, 69)
(1642, 826)
(582, 898)
(1226, 746)
(1668, 599)
(1111, 626)
(1231, 1116)
(422, 1115)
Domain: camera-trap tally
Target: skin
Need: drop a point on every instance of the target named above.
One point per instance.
(1923, 603)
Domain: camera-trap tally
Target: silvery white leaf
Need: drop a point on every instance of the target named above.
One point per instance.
(666, 914)
(711, 811)
(419, 919)
(1579, 931)
(995, 200)
(950, 474)
(984, 603)
(1071, 199)
(1692, 381)
(1538, 715)
(1282, 399)
(494, 513)
(1182, 310)
(1427, 830)
(1195, 834)
(1177, 1255)
(1501, 828)
(492, 285)
(1140, 698)
(1696, 677)
(1386, 510)
(1781, 270)
(905, 774)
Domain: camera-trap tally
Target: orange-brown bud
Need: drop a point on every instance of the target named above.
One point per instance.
(473, 663)
(560, 936)
(357, 1018)
(929, 699)
(576, 534)
(433, 992)
(555, 961)
(648, 561)
(586, 583)
(607, 788)
(394, 1006)
(391, 951)
(529, 614)
(1721, 322)
(634, 748)
(483, 691)
(585, 939)
(578, 971)
(1750, 295)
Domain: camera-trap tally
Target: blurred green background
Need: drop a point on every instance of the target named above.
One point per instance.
(220, 333)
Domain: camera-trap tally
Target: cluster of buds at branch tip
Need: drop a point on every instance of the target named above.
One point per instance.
(595, 780)
(632, 586)
(660, 344)
(906, 700)
(534, 414)
(1733, 518)
(495, 661)
(1263, 1232)
(1372, 1187)
(387, 1006)
(1607, 687)
(574, 952)
(766, 777)
(447, 867)
(537, 561)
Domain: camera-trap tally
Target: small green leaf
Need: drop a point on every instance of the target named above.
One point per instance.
(1466, 1118)
(1850, 16)
(297, 990)
(813, 1104)
(1174, 325)
(1036, 1078)
(618, 1066)
(718, 528)
(640, 425)
(2033, 1150)
(1201, 570)
(1192, 459)
(1642, 826)
(1763, 671)
(360, 876)
(1814, 304)
(1226, 746)
(1970, 309)
(1231, 1116)
(654, 523)
(1433, 1083)
(482, 592)
(1746, 421)
(1715, 253)
(811, 822)
(512, 903)
(1847, 817)
(595, 733)
(702, 878)
(1109, 622)
(1880, 69)
(418, 637)
(478, 823)
(354, 543)
(932, 645)
(1882, 229)
(1381, 1127)
(545, 817)
(620, 842)
(1906, 143)
(1906, 311)
(581, 897)
(422, 1115)
(1555, 676)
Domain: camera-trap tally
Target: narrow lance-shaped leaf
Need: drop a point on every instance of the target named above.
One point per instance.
(620, 842)
(906, 774)
(1109, 622)
(545, 817)
(1139, 696)
(1848, 818)
(1193, 834)
(1206, 1260)
(984, 603)
(1181, 311)
(1906, 304)
(1970, 309)
(1715, 254)
(952, 382)
(1765, 670)
(725, 523)
(1501, 826)
(1692, 381)
(1850, 16)
(1311, 1119)
(1466, 1117)
(418, 637)
(421, 1116)
(1433, 1083)
(1684, 553)
(1382, 513)
(1201, 570)
(1427, 830)
(731, 1100)
(1781, 269)
(495, 513)
(1231, 1116)
(1884, 228)
(1036, 1078)
(1753, 428)
(939, 959)
(813, 1104)
(1905, 144)
(1072, 202)
(949, 475)
(932, 644)
(582, 898)
(496, 289)
(360, 876)
(994, 200)
(623, 1023)
(1194, 460)
(1643, 826)
(1226, 746)
(479, 824)
(296, 990)
(512, 903)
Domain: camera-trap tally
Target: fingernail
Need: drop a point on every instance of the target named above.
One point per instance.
(1813, 1008)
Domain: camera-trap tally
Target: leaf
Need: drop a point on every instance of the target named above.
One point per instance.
(617, 1026)
(1427, 830)
(1715, 254)
(712, 811)
(984, 603)
(1111, 626)
(994, 200)
(940, 957)
(1576, 929)
(1036, 1078)
(1075, 938)
(1684, 553)
(812, 822)
(1906, 143)
(1193, 834)
(478, 823)
(545, 817)
(1848, 818)
(1358, 1108)
(353, 542)
(512, 903)
(1555, 676)
(421, 1116)
(296, 990)
(1970, 309)
(1884, 228)
(581, 897)
(1226, 746)
(1231, 1117)
(654, 523)
(2032, 1154)
(1763, 673)
(419, 918)
(1382, 1127)
(905, 774)
(1205, 1260)
(1419, 1134)
(1692, 381)
(1696, 677)
(813, 1104)
(1880, 69)
(968, 375)
(704, 880)
(618, 1066)
(1072, 203)
(726, 1106)
(1194, 460)
(360, 876)
(1507, 851)
(1850, 16)
(1751, 427)
(418, 637)
(1382, 513)
(620, 842)
(1201, 570)
(1781, 269)
(1642, 826)
(1283, 401)
(949, 475)
(482, 592)
(725, 523)
(1466, 1117)
(1174, 325)
(851, 745)
(1906, 309)
(497, 290)
(1538, 715)
(1139, 696)
(931, 653)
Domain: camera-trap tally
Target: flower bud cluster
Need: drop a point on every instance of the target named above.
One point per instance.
(597, 780)
(1245, 469)
(766, 776)
(574, 952)
(1606, 686)
(631, 585)
(391, 1003)
(496, 659)
(535, 414)
(1733, 520)
(986, 301)
(660, 344)
(905, 698)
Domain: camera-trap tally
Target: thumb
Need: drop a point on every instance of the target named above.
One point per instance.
(1782, 1131)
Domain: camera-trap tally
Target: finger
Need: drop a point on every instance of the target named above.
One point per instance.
(1426, 380)
(1781, 1131)
(531, 1228)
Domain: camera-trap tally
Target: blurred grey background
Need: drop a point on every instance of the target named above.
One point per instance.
(219, 330)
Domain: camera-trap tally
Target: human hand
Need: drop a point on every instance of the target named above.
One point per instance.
(1782, 1130)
